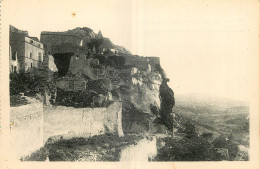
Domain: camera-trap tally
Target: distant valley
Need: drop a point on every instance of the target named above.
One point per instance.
(216, 115)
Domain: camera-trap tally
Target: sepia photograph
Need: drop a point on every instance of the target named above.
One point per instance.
(135, 83)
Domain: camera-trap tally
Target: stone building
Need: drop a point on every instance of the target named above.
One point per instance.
(25, 52)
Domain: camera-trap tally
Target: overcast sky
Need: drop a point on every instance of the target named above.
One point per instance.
(205, 46)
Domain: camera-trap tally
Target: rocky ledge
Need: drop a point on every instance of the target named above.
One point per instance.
(93, 72)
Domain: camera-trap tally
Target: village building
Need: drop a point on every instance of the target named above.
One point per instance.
(25, 52)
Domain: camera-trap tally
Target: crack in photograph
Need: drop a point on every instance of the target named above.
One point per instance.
(129, 81)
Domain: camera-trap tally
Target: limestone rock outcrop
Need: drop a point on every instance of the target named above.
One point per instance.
(88, 78)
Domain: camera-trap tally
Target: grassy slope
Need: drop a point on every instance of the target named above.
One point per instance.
(105, 147)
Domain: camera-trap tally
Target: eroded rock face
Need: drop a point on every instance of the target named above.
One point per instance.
(52, 65)
(149, 97)
(139, 82)
(141, 91)
(141, 98)
(80, 65)
(145, 90)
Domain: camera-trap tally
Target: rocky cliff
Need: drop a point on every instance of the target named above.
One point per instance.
(91, 79)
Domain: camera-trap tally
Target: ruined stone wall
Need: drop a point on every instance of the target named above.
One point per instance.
(136, 61)
(16, 42)
(58, 38)
(71, 84)
(31, 126)
(70, 122)
(141, 63)
(63, 42)
(68, 41)
(26, 129)
(13, 60)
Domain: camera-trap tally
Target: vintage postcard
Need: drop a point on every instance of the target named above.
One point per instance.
(129, 84)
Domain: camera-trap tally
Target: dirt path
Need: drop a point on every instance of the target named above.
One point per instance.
(142, 151)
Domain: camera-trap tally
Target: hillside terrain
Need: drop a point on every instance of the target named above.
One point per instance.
(206, 128)
(223, 118)
(218, 116)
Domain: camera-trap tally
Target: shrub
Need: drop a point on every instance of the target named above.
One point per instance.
(154, 110)
(97, 42)
(190, 130)
(118, 60)
(207, 135)
(226, 142)
(24, 83)
(112, 60)
(194, 149)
